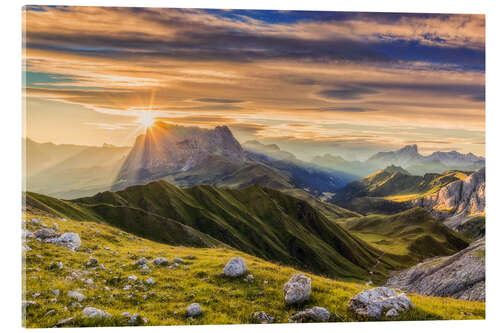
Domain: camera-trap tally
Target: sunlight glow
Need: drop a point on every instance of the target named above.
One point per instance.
(146, 119)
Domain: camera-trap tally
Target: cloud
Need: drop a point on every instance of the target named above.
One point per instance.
(219, 100)
(267, 74)
(347, 92)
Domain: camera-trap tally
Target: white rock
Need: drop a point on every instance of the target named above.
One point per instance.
(193, 310)
(89, 281)
(132, 278)
(316, 314)
(297, 289)
(373, 302)
(76, 295)
(90, 312)
(235, 267)
(150, 281)
(160, 262)
(142, 261)
(263, 317)
(69, 239)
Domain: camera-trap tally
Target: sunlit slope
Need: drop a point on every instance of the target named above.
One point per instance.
(259, 221)
(414, 234)
(223, 300)
(389, 190)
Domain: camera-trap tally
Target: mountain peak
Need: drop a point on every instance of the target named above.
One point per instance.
(413, 149)
(394, 169)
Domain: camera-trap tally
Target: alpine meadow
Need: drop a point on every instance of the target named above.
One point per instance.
(206, 166)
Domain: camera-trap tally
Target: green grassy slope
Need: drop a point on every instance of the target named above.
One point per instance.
(388, 190)
(474, 228)
(414, 234)
(223, 300)
(256, 220)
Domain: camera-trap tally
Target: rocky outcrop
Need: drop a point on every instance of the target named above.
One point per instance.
(458, 200)
(461, 275)
(373, 303)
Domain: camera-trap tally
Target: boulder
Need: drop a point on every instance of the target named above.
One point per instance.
(374, 302)
(150, 281)
(193, 310)
(262, 317)
(76, 295)
(132, 278)
(45, 234)
(297, 289)
(315, 314)
(235, 267)
(68, 239)
(90, 312)
(160, 262)
(178, 260)
(141, 262)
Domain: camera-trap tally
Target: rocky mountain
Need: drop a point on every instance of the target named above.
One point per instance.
(461, 275)
(458, 200)
(391, 190)
(165, 149)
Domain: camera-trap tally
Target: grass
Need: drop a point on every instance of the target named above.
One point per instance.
(223, 300)
(414, 234)
(256, 220)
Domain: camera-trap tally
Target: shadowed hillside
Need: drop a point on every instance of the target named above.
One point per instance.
(256, 220)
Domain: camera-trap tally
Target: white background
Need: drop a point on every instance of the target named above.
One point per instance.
(10, 152)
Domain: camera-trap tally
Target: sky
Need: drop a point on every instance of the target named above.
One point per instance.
(344, 83)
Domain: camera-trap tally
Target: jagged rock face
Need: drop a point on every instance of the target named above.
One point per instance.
(166, 149)
(460, 198)
(461, 275)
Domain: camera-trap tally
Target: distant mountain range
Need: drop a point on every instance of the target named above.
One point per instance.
(71, 171)
(407, 157)
(189, 156)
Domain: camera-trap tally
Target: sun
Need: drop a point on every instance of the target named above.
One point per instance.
(146, 119)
